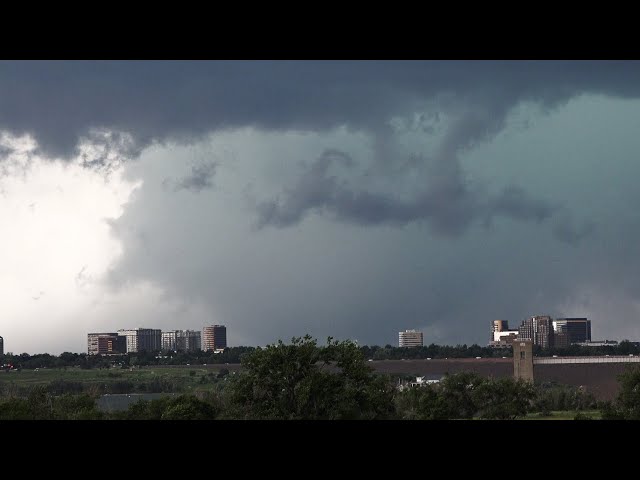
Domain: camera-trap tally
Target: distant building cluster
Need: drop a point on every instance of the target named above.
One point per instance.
(410, 338)
(212, 338)
(544, 331)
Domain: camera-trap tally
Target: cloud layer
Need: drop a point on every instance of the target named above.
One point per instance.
(58, 102)
(352, 199)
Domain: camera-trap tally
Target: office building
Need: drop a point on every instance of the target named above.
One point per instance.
(499, 326)
(410, 338)
(214, 337)
(577, 330)
(191, 340)
(182, 340)
(105, 344)
(501, 335)
(139, 339)
(169, 340)
(538, 329)
(1, 346)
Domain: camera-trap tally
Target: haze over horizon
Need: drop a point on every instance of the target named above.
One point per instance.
(351, 199)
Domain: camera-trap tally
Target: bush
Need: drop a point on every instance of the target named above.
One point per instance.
(60, 387)
(581, 416)
(188, 407)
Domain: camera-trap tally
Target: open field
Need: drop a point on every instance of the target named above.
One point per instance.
(145, 379)
(599, 379)
(118, 388)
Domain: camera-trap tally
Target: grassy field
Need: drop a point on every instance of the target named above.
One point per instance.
(565, 415)
(182, 379)
(148, 379)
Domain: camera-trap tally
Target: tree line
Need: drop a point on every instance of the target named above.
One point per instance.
(304, 381)
(234, 355)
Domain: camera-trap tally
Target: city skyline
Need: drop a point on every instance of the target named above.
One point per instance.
(352, 199)
(553, 333)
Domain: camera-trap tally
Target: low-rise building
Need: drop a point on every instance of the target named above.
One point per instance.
(599, 343)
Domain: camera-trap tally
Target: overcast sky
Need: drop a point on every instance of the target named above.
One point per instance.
(350, 199)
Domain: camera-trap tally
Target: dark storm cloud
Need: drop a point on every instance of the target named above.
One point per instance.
(60, 101)
(105, 150)
(63, 102)
(316, 190)
(324, 279)
(566, 230)
(447, 202)
(200, 178)
(514, 202)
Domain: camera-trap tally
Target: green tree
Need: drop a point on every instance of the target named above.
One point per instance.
(184, 407)
(504, 398)
(37, 406)
(628, 400)
(188, 407)
(422, 403)
(303, 381)
(147, 410)
(459, 394)
(76, 407)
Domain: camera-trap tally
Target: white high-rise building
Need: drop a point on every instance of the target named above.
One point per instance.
(410, 338)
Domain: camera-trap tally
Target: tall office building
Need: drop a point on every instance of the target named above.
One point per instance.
(410, 338)
(1, 346)
(139, 339)
(577, 330)
(105, 344)
(538, 329)
(183, 340)
(214, 337)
